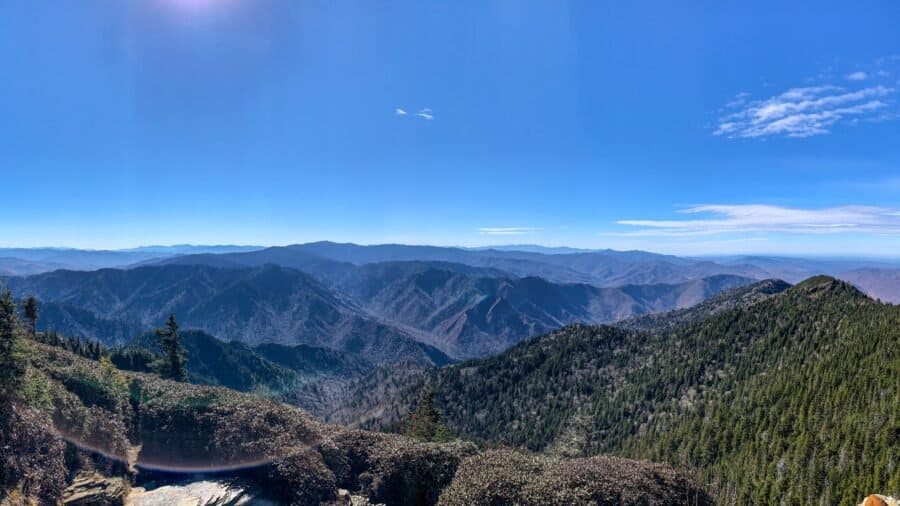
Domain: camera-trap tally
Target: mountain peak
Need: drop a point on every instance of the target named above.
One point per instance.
(818, 286)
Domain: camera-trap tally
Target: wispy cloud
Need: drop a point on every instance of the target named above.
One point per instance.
(425, 114)
(748, 218)
(857, 76)
(507, 230)
(801, 112)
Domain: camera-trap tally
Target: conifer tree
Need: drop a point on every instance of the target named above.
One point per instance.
(12, 366)
(425, 422)
(173, 361)
(30, 310)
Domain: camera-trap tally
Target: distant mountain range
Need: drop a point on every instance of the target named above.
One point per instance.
(270, 304)
(27, 261)
(559, 265)
(422, 311)
(387, 302)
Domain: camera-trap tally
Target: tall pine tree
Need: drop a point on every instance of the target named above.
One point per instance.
(30, 310)
(173, 360)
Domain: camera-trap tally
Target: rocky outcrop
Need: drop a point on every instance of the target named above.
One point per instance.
(198, 493)
(91, 489)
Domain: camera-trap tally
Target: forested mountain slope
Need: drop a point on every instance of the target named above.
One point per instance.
(743, 296)
(794, 397)
(267, 369)
(468, 313)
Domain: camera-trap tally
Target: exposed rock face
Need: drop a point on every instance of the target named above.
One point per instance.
(91, 489)
(199, 493)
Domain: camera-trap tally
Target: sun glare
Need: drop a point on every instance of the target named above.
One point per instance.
(194, 5)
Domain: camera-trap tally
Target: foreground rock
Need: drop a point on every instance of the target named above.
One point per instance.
(91, 489)
(199, 493)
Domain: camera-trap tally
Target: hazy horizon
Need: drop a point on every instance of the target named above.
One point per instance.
(499, 246)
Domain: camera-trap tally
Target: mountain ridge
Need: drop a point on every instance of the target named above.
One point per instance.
(800, 365)
(429, 311)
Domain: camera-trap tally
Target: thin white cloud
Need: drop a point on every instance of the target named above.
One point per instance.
(801, 112)
(425, 114)
(399, 112)
(507, 230)
(857, 76)
(747, 218)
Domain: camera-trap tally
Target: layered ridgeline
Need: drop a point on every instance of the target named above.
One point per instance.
(792, 397)
(598, 268)
(558, 265)
(426, 312)
(81, 430)
(270, 304)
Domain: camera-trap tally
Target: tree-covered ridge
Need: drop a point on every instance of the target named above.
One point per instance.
(794, 397)
(810, 413)
(729, 299)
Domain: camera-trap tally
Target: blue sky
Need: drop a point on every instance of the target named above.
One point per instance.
(722, 128)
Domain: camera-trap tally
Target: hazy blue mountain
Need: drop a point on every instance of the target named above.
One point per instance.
(467, 313)
(533, 248)
(27, 261)
(386, 311)
(191, 249)
(794, 269)
(270, 304)
(12, 266)
(601, 268)
(882, 284)
(322, 268)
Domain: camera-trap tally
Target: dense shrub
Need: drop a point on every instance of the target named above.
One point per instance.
(506, 477)
(395, 469)
(32, 457)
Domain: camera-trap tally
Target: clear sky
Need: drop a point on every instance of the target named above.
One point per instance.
(722, 127)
